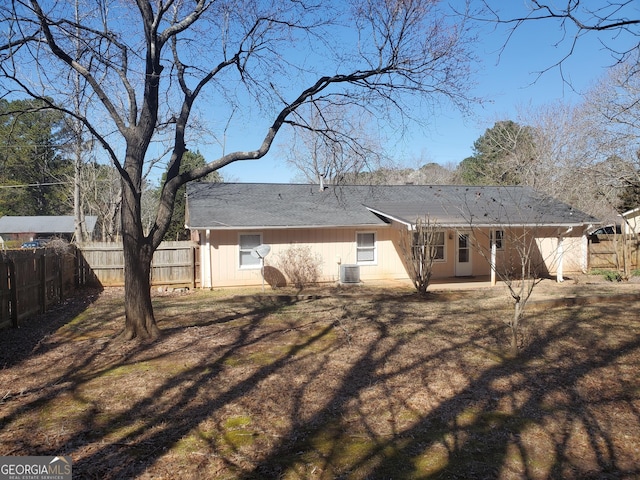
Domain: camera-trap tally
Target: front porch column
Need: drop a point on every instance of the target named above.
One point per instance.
(584, 257)
(493, 262)
(559, 277)
(205, 261)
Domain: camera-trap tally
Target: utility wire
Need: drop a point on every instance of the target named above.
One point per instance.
(34, 185)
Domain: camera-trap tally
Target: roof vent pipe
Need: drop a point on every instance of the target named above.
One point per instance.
(322, 187)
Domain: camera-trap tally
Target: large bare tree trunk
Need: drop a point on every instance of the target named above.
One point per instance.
(140, 322)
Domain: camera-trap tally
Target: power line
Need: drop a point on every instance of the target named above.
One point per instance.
(34, 185)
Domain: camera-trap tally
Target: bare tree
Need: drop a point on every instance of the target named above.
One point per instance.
(79, 148)
(512, 236)
(616, 25)
(335, 146)
(393, 173)
(615, 22)
(613, 107)
(570, 162)
(430, 173)
(520, 272)
(151, 64)
(101, 195)
(421, 244)
(80, 143)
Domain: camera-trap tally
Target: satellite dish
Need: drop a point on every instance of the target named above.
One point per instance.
(260, 251)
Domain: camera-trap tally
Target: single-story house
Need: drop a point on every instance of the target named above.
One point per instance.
(26, 228)
(356, 230)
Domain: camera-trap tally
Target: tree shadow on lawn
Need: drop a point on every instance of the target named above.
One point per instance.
(155, 424)
(480, 431)
(348, 389)
(16, 344)
(100, 358)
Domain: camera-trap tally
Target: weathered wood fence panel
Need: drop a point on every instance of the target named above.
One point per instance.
(6, 305)
(103, 263)
(33, 280)
(607, 252)
(174, 264)
(29, 285)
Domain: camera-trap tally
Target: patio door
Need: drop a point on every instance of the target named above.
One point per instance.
(463, 255)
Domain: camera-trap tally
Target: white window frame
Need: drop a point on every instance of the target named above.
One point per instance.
(443, 245)
(252, 266)
(374, 248)
(498, 239)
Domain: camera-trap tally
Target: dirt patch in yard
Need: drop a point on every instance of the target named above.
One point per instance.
(333, 383)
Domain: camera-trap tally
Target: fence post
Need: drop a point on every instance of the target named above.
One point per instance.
(13, 293)
(80, 268)
(60, 263)
(43, 283)
(76, 267)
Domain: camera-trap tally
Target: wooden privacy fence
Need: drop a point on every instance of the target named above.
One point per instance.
(175, 264)
(608, 252)
(8, 316)
(33, 280)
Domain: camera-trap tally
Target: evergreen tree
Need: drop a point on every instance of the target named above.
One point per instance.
(630, 197)
(32, 172)
(501, 156)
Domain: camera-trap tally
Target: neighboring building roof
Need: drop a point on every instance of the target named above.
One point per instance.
(634, 212)
(52, 224)
(251, 205)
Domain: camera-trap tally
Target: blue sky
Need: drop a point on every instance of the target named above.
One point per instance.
(507, 79)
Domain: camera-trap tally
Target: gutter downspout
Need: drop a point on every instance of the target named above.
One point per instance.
(559, 273)
(585, 258)
(205, 260)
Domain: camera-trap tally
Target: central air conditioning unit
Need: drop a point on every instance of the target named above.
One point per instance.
(349, 274)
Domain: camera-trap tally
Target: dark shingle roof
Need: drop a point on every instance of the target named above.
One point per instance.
(247, 205)
(53, 224)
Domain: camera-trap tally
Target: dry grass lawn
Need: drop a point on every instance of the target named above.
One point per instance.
(354, 384)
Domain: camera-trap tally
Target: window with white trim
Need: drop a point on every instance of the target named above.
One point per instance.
(247, 242)
(497, 237)
(366, 247)
(438, 243)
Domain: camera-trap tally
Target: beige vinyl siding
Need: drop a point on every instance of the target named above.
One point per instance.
(631, 224)
(574, 253)
(545, 252)
(337, 246)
